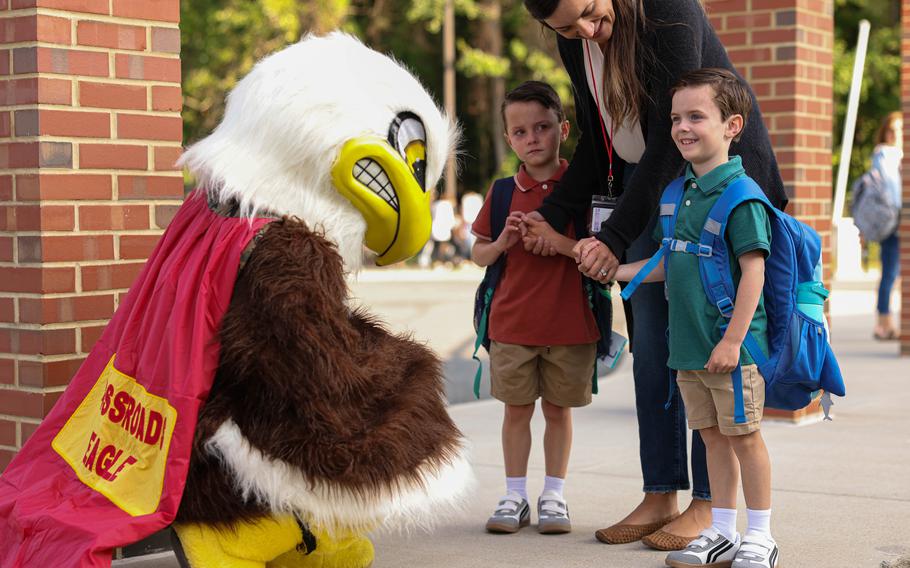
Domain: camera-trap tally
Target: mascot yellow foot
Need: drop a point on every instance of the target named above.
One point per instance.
(272, 543)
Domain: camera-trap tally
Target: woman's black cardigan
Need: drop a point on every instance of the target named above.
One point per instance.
(681, 39)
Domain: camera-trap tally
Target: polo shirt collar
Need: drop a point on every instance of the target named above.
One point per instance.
(719, 177)
(524, 181)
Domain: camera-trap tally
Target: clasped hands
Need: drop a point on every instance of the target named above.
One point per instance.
(594, 258)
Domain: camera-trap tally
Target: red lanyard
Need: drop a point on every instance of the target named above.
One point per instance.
(608, 142)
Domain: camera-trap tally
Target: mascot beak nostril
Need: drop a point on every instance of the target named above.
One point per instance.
(420, 172)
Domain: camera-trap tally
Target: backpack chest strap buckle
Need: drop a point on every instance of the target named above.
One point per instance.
(698, 249)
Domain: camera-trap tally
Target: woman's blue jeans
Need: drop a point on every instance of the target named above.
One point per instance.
(661, 432)
(890, 252)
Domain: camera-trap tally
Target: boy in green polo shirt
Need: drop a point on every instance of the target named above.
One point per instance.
(710, 108)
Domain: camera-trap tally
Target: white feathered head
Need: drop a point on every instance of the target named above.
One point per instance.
(338, 135)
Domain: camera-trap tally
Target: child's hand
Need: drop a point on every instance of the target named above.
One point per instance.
(724, 358)
(508, 237)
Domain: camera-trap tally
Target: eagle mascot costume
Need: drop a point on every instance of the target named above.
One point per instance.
(236, 393)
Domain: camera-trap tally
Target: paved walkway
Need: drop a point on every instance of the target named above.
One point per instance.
(840, 491)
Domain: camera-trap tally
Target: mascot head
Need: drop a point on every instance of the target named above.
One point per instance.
(337, 135)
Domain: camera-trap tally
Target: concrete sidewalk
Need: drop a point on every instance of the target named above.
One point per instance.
(840, 491)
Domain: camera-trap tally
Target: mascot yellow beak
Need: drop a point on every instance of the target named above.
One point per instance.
(386, 182)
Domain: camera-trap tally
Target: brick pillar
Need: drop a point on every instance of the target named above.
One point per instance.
(904, 234)
(89, 130)
(784, 48)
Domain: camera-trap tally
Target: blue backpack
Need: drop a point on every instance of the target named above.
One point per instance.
(800, 362)
(599, 298)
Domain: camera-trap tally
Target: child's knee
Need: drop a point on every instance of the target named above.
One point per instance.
(554, 413)
(519, 413)
(746, 443)
(712, 437)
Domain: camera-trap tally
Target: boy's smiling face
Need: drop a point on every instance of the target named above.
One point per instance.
(534, 133)
(701, 134)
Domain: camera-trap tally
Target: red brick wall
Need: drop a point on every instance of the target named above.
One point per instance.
(904, 234)
(784, 49)
(89, 130)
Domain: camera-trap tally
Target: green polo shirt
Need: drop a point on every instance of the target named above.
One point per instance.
(695, 323)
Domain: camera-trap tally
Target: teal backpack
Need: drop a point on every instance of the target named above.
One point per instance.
(599, 298)
(800, 362)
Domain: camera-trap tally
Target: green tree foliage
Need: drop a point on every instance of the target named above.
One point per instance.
(880, 93)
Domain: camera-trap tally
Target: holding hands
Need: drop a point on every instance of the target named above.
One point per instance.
(594, 258)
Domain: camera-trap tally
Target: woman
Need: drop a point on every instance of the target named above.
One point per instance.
(623, 56)
(887, 159)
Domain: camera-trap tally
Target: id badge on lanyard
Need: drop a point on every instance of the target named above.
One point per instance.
(602, 207)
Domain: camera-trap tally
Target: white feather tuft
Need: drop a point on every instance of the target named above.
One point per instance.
(284, 489)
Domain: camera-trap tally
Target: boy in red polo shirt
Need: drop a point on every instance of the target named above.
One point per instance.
(541, 329)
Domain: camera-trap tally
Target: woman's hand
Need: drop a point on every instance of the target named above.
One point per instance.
(595, 259)
(533, 242)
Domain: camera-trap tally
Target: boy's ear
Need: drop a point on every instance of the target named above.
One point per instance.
(564, 130)
(734, 126)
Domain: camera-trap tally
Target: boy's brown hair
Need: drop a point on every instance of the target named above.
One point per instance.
(536, 91)
(730, 92)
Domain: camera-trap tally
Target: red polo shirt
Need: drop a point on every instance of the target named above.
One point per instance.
(539, 300)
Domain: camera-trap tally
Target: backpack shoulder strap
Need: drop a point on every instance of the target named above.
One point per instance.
(716, 276)
(501, 201)
(669, 210)
(669, 206)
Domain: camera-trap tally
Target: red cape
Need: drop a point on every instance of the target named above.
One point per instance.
(107, 466)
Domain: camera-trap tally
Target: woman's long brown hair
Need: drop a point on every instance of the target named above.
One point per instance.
(624, 55)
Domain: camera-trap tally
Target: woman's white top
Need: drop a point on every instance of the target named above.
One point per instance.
(628, 140)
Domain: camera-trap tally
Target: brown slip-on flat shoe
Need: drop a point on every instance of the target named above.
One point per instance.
(662, 540)
(623, 533)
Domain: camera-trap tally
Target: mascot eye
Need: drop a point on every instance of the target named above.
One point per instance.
(407, 135)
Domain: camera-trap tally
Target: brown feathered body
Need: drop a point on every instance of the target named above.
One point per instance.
(342, 405)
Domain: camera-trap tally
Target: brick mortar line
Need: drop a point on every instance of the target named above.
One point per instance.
(87, 202)
(92, 78)
(91, 48)
(55, 326)
(31, 389)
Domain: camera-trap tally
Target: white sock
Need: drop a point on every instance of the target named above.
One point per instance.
(724, 522)
(554, 484)
(759, 522)
(518, 485)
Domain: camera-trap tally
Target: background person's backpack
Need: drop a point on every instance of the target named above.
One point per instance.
(599, 298)
(874, 214)
(800, 361)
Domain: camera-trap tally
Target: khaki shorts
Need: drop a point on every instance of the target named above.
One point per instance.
(560, 374)
(709, 400)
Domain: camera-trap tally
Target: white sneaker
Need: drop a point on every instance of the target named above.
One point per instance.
(757, 551)
(552, 514)
(511, 514)
(710, 549)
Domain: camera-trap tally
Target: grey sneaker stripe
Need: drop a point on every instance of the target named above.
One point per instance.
(773, 560)
(718, 550)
